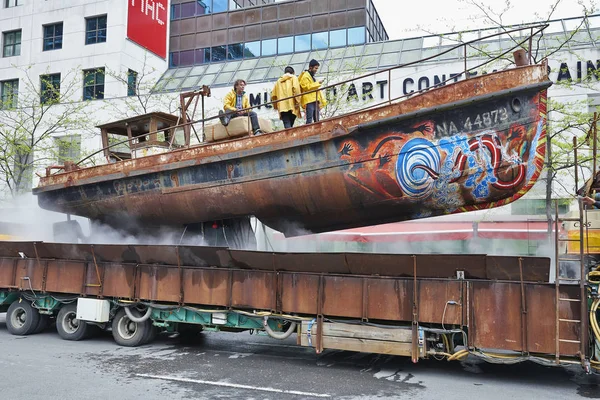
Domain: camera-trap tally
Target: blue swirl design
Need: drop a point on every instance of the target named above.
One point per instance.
(416, 157)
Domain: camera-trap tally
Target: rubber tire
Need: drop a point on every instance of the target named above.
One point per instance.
(32, 318)
(150, 334)
(141, 330)
(43, 323)
(81, 332)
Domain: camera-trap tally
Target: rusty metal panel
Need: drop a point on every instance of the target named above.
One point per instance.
(29, 274)
(92, 279)
(390, 299)
(118, 280)
(535, 269)
(253, 289)
(342, 296)
(201, 256)
(497, 316)
(311, 262)
(299, 293)
(7, 272)
(12, 249)
(159, 283)
(205, 286)
(433, 297)
(65, 276)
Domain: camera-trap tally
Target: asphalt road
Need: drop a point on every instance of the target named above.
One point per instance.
(241, 366)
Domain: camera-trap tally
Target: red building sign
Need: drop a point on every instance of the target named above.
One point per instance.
(147, 24)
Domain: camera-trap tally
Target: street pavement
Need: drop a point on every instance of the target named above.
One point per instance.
(244, 366)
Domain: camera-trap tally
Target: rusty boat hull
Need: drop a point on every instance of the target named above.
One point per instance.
(474, 144)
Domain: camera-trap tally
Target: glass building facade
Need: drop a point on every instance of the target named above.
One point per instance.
(207, 31)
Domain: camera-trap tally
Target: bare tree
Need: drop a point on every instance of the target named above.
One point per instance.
(36, 119)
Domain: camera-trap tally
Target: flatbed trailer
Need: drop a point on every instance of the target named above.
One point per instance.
(500, 308)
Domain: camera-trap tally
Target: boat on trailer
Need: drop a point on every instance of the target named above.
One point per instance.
(473, 144)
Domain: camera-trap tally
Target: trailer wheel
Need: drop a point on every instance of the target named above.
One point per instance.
(67, 324)
(129, 333)
(43, 323)
(150, 334)
(22, 318)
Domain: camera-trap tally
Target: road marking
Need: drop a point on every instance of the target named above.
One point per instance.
(232, 385)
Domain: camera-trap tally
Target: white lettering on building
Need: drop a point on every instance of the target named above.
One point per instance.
(149, 6)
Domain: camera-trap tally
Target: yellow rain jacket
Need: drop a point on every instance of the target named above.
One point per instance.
(307, 83)
(229, 101)
(287, 86)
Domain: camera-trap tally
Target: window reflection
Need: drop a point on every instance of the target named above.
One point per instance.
(218, 53)
(186, 58)
(219, 5)
(202, 56)
(252, 49)
(285, 45)
(203, 7)
(269, 47)
(302, 43)
(356, 35)
(320, 40)
(337, 38)
(235, 51)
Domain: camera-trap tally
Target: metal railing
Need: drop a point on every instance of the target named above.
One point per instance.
(520, 43)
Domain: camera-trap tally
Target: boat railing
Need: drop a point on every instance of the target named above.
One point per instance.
(520, 48)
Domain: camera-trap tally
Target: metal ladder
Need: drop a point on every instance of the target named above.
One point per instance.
(563, 321)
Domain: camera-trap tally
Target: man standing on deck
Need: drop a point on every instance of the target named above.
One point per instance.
(314, 101)
(286, 87)
(233, 104)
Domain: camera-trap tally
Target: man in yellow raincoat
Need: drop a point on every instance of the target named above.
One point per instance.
(314, 101)
(236, 104)
(286, 87)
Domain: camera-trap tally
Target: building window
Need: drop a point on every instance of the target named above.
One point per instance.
(131, 82)
(12, 44)
(12, 3)
(219, 5)
(23, 167)
(235, 51)
(356, 35)
(337, 38)
(320, 40)
(269, 47)
(285, 45)
(53, 36)
(49, 88)
(95, 30)
(9, 94)
(302, 43)
(93, 84)
(68, 148)
(218, 53)
(252, 49)
(202, 56)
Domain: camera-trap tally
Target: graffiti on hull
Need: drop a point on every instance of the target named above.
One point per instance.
(460, 172)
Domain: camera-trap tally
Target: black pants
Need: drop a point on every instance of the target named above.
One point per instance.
(253, 119)
(312, 112)
(288, 118)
